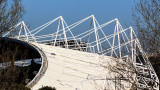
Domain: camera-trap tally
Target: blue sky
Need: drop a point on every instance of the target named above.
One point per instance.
(39, 12)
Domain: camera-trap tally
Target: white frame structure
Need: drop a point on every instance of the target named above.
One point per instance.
(122, 40)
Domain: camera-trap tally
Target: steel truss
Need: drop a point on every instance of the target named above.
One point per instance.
(121, 43)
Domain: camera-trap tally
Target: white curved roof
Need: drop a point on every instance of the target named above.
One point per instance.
(71, 69)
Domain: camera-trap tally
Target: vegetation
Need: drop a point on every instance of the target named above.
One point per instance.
(10, 74)
(11, 11)
(147, 22)
(17, 87)
(124, 72)
(47, 88)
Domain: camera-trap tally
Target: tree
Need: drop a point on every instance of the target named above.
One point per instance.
(147, 22)
(10, 16)
(124, 72)
(11, 11)
(17, 87)
(11, 74)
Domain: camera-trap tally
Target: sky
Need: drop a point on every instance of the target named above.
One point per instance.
(39, 12)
